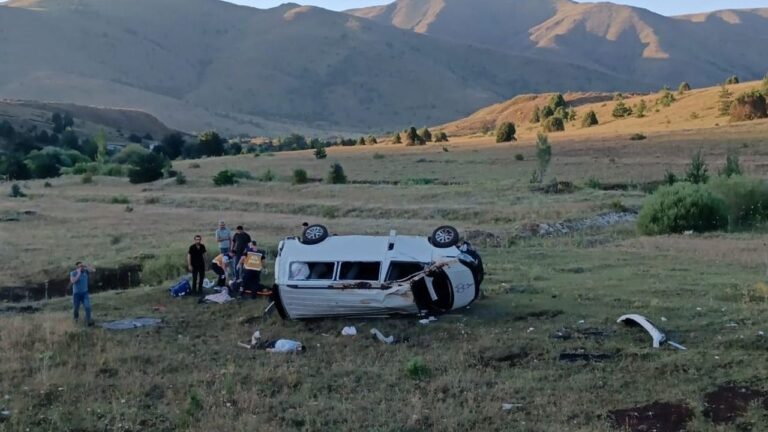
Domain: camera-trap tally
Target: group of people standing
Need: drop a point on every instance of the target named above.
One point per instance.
(238, 264)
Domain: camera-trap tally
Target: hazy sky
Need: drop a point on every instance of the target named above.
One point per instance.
(666, 7)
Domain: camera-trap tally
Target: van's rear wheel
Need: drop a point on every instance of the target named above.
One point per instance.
(314, 234)
(445, 236)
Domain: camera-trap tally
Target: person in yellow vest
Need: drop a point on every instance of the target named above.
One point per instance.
(252, 263)
(221, 266)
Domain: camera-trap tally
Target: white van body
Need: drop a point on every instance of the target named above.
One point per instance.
(359, 275)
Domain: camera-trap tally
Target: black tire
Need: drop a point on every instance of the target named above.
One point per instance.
(445, 236)
(314, 234)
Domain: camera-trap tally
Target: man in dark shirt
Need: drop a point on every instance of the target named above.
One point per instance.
(240, 242)
(196, 259)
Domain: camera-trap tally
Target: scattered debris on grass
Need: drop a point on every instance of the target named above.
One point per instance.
(131, 323)
(728, 402)
(427, 320)
(571, 226)
(349, 331)
(566, 333)
(582, 356)
(391, 340)
(657, 335)
(510, 406)
(656, 417)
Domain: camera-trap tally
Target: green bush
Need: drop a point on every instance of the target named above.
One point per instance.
(378, 156)
(300, 176)
(413, 138)
(746, 200)
(732, 166)
(621, 110)
(87, 178)
(590, 119)
(16, 191)
(519, 157)
(593, 183)
(426, 135)
(732, 80)
(441, 137)
(417, 369)
(181, 179)
(147, 168)
(336, 174)
(396, 139)
(698, 171)
(682, 207)
(195, 165)
(224, 178)
(637, 137)
(506, 132)
(553, 124)
(119, 199)
(684, 87)
(320, 153)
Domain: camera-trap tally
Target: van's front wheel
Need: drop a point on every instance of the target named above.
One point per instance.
(445, 236)
(314, 234)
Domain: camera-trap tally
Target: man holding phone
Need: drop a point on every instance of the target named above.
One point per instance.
(79, 280)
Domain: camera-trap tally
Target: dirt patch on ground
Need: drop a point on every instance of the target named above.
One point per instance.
(584, 357)
(540, 314)
(655, 417)
(728, 402)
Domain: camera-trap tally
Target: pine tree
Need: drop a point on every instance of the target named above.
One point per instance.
(684, 87)
(697, 171)
(396, 139)
(641, 108)
(426, 135)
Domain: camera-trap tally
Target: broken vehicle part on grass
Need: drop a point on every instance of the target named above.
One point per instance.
(323, 275)
(657, 335)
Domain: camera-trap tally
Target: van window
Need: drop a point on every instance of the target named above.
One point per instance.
(311, 270)
(402, 269)
(360, 271)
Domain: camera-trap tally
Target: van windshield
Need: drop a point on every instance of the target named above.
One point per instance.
(360, 271)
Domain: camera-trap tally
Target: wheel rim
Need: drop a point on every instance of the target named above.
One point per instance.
(314, 233)
(444, 236)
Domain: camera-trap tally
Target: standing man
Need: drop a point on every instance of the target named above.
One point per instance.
(196, 258)
(223, 238)
(240, 242)
(253, 263)
(79, 279)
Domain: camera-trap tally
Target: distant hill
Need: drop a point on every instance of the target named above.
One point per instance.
(117, 124)
(201, 64)
(696, 109)
(632, 42)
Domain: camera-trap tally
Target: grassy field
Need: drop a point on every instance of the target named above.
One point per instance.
(189, 373)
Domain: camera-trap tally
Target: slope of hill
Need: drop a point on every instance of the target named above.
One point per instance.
(696, 109)
(633, 42)
(287, 69)
(116, 123)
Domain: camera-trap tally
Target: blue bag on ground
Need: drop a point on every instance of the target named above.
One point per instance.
(181, 288)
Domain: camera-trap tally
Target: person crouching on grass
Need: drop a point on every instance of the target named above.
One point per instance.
(79, 280)
(221, 265)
